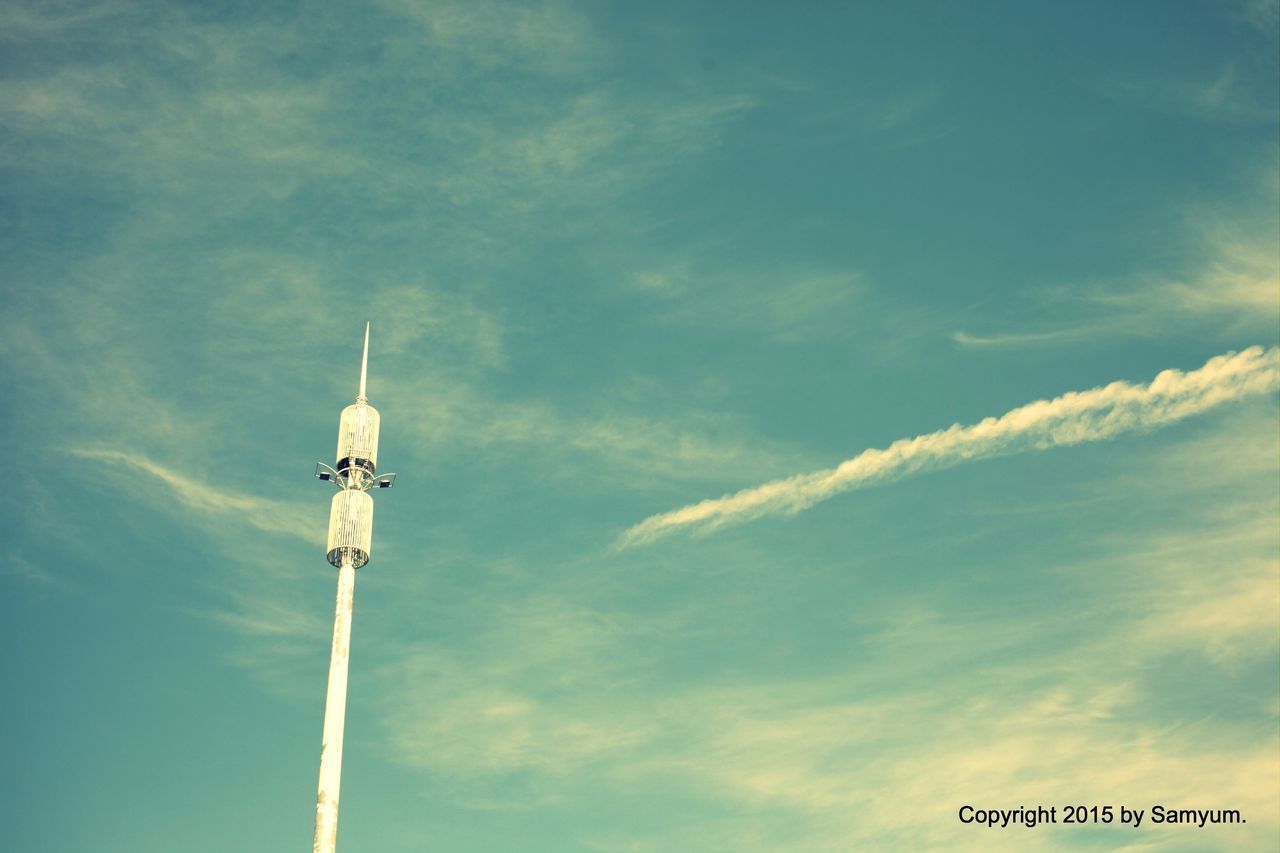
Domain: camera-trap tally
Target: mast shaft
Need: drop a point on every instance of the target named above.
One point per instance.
(335, 713)
(364, 363)
(347, 549)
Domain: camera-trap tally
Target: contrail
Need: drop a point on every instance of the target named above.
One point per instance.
(1073, 418)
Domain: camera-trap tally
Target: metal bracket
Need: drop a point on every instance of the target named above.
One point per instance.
(345, 481)
(324, 472)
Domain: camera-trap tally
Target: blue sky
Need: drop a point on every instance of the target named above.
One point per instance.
(621, 260)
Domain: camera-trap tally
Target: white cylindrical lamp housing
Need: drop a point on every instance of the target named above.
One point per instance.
(350, 528)
(358, 438)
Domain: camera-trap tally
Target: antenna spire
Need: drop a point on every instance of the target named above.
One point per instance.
(364, 364)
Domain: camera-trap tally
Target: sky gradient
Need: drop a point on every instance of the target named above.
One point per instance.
(810, 419)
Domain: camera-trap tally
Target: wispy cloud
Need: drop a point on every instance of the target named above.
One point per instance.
(547, 37)
(1262, 15)
(876, 115)
(894, 113)
(1239, 279)
(1233, 287)
(1223, 96)
(940, 702)
(1072, 418)
(273, 618)
(622, 438)
(577, 150)
(266, 515)
(784, 305)
(18, 567)
(1014, 339)
(18, 20)
(1036, 725)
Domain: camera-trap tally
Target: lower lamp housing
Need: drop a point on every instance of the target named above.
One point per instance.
(350, 528)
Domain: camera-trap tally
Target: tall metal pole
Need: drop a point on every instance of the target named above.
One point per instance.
(349, 543)
(335, 713)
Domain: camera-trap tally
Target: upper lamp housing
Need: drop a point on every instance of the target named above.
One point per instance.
(358, 439)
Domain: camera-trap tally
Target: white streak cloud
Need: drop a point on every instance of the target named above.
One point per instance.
(1073, 418)
(266, 515)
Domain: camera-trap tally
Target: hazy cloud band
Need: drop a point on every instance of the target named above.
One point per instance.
(1075, 417)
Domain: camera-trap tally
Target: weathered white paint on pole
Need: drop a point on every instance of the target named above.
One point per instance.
(335, 712)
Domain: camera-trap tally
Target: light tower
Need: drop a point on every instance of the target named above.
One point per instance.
(350, 536)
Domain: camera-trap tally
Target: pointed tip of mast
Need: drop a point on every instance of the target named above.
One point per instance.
(364, 362)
